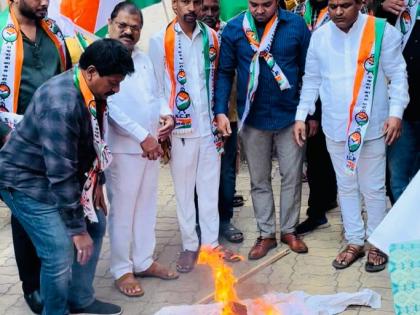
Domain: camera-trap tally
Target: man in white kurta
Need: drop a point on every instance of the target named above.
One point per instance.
(132, 179)
(330, 72)
(195, 161)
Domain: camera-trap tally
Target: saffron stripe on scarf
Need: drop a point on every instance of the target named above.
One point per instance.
(366, 44)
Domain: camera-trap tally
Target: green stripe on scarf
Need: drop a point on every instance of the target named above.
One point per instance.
(308, 13)
(4, 16)
(231, 8)
(379, 34)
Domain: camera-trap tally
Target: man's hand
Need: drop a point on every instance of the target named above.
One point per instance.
(393, 6)
(151, 148)
(299, 132)
(313, 127)
(84, 247)
(99, 199)
(168, 125)
(392, 130)
(223, 125)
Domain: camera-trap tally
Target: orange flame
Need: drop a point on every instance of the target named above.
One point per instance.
(265, 308)
(224, 283)
(224, 280)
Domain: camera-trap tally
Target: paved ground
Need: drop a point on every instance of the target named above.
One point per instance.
(312, 272)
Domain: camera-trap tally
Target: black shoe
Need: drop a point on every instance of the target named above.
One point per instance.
(98, 308)
(311, 224)
(34, 302)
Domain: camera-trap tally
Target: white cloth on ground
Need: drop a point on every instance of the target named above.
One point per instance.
(294, 303)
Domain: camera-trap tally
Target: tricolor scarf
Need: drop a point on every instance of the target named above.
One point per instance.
(323, 16)
(407, 19)
(220, 26)
(180, 100)
(11, 56)
(103, 155)
(363, 90)
(262, 49)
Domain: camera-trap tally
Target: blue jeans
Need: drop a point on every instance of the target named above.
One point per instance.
(404, 158)
(55, 249)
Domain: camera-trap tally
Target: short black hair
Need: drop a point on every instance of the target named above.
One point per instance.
(108, 56)
(128, 6)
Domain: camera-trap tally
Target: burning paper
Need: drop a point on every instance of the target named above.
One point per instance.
(295, 303)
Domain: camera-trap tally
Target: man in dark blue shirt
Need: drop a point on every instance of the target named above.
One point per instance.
(267, 47)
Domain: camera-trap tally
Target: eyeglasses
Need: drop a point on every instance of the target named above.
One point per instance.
(124, 26)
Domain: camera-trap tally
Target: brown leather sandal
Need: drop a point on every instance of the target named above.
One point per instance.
(349, 255)
(157, 270)
(129, 286)
(186, 261)
(373, 255)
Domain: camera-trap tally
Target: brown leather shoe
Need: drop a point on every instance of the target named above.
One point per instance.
(294, 242)
(261, 247)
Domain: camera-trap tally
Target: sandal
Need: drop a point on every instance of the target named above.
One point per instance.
(186, 261)
(157, 270)
(349, 255)
(129, 286)
(228, 255)
(238, 201)
(374, 255)
(231, 233)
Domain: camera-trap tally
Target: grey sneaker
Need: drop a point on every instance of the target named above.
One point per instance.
(98, 308)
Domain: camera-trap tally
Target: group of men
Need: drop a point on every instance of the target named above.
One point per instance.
(342, 89)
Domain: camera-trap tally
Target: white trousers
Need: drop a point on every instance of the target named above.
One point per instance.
(369, 181)
(132, 190)
(195, 163)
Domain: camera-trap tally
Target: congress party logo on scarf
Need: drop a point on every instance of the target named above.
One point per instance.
(180, 101)
(11, 55)
(363, 90)
(103, 155)
(261, 48)
(407, 19)
(323, 16)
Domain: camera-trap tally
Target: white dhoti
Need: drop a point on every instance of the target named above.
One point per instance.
(132, 190)
(195, 163)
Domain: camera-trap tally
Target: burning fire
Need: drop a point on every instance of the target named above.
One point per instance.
(224, 284)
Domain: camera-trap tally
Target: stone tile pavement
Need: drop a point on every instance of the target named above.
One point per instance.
(312, 272)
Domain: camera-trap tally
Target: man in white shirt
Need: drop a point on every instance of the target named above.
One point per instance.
(133, 137)
(344, 68)
(184, 56)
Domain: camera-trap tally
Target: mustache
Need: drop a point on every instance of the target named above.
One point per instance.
(110, 93)
(193, 15)
(127, 36)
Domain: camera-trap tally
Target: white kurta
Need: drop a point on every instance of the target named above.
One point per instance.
(195, 163)
(330, 70)
(131, 179)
